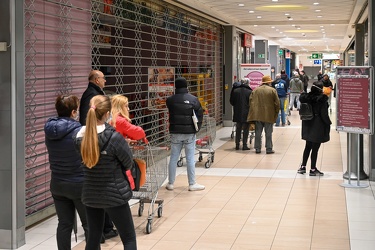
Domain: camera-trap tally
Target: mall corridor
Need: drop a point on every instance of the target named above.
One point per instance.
(253, 201)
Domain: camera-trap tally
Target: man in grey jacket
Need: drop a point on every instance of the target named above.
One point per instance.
(296, 88)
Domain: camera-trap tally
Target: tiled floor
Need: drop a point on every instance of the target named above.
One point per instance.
(254, 201)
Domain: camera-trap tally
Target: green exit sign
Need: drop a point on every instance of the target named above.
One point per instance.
(261, 56)
(316, 56)
(281, 52)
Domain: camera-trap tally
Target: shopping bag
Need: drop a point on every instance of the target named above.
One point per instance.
(139, 173)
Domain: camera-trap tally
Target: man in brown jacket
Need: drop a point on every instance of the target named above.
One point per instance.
(264, 108)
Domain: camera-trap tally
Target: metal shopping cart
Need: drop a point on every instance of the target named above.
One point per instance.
(251, 132)
(203, 144)
(156, 174)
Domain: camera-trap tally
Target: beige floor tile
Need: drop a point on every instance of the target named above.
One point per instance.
(228, 227)
(171, 245)
(330, 243)
(182, 236)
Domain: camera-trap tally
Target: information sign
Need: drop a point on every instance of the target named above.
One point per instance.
(354, 103)
(255, 72)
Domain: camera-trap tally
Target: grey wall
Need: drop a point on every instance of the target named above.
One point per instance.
(12, 124)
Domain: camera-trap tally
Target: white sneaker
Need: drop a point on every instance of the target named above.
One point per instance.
(169, 187)
(196, 187)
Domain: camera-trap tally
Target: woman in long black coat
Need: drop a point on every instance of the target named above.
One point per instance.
(315, 131)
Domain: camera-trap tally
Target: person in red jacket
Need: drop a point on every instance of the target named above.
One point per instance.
(121, 121)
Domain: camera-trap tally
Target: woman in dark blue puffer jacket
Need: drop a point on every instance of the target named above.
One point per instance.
(66, 170)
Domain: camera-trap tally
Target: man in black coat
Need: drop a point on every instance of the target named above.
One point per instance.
(95, 87)
(239, 99)
(96, 84)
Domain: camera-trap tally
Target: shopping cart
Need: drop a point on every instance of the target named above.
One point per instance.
(203, 144)
(251, 132)
(156, 174)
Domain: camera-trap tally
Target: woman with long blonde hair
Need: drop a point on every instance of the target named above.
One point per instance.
(105, 155)
(121, 120)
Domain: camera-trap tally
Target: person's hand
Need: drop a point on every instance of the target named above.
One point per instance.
(130, 141)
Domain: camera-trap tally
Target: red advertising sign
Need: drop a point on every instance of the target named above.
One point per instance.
(354, 101)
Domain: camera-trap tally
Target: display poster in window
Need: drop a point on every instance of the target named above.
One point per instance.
(160, 86)
(354, 99)
(255, 72)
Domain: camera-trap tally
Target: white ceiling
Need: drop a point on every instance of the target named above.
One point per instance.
(326, 27)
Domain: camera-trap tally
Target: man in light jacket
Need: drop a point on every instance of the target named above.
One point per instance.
(264, 109)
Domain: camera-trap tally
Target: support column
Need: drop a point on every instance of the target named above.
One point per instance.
(12, 126)
(231, 46)
(371, 57)
(261, 51)
(274, 59)
(356, 152)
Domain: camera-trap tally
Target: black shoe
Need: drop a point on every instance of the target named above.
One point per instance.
(257, 151)
(301, 170)
(245, 148)
(102, 239)
(270, 152)
(237, 147)
(315, 172)
(110, 234)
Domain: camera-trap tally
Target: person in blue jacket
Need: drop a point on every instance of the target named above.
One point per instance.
(66, 170)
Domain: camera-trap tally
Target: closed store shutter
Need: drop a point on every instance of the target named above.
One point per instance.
(141, 46)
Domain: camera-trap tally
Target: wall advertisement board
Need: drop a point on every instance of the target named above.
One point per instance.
(354, 99)
(255, 72)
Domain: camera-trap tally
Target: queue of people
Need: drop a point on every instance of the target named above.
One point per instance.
(88, 158)
(266, 108)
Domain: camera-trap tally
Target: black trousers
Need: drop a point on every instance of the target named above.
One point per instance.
(312, 147)
(67, 198)
(242, 128)
(121, 217)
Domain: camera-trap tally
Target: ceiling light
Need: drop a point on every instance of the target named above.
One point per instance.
(251, 11)
(317, 10)
(255, 25)
(287, 14)
(319, 16)
(272, 27)
(241, 5)
(315, 3)
(259, 17)
(275, 0)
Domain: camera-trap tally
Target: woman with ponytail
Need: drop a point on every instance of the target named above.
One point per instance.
(105, 189)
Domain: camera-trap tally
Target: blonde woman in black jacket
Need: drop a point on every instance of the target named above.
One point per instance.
(105, 154)
(315, 131)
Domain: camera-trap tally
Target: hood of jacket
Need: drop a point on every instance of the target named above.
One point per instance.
(312, 98)
(57, 128)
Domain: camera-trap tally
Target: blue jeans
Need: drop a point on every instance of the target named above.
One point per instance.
(177, 142)
(282, 111)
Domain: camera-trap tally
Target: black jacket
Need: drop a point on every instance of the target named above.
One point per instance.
(180, 107)
(64, 160)
(318, 129)
(285, 78)
(91, 91)
(105, 184)
(239, 99)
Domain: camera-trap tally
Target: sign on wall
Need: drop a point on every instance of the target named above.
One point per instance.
(160, 86)
(354, 99)
(255, 72)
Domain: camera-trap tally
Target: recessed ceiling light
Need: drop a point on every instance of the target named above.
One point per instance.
(272, 27)
(241, 5)
(319, 16)
(255, 25)
(317, 10)
(316, 3)
(251, 11)
(287, 14)
(275, 0)
(259, 17)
